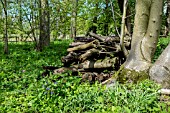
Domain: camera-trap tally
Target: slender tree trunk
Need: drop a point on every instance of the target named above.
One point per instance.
(128, 27)
(74, 18)
(144, 39)
(20, 14)
(33, 21)
(93, 27)
(58, 19)
(167, 28)
(44, 39)
(106, 26)
(6, 51)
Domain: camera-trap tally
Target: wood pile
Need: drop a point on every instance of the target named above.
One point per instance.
(94, 57)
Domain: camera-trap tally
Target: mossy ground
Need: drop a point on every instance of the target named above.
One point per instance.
(131, 76)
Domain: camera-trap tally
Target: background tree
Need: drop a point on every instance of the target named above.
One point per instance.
(74, 18)
(167, 24)
(44, 39)
(128, 27)
(19, 2)
(4, 4)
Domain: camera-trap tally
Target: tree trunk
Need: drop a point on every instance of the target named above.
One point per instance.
(20, 14)
(167, 29)
(74, 18)
(106, 26)
(93, 27)
(144, 40)
(128, 27)
(44, 39)
(4, 4)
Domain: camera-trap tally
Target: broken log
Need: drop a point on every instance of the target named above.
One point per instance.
(104, 38)
(91, 56)
(164, 91)
(73, 44)
(70, 58)
(109, 47)
(92, 44)
(83, 39)
(64, 69)
(93, 76)
(88, 54)
(100, 38)
(106, 63)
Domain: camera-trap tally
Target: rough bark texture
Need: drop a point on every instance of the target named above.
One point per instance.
(74, 18)
(93, 26)
(85, 46)
(94, 57)
(167, 29)
(160, 71)
(4, 4)
(20, 14)
(106, 26)
(44, 39)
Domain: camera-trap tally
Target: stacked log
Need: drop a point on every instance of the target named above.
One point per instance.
(94, 57)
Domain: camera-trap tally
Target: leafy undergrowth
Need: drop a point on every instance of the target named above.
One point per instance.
(23, 89)
(163, 42)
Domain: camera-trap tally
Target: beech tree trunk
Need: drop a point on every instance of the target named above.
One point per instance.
(138, 64)
(145, 34)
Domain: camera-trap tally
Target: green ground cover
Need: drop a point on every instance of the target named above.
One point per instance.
(23, 89)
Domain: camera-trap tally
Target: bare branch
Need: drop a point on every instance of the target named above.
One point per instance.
(123, 29)
(114, 18)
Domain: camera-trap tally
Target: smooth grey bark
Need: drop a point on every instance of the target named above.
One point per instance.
(145, 35)
(160, 71)
(144, 40)
(44, 39)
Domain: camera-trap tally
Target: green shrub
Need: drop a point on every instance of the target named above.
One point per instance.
(162, 44)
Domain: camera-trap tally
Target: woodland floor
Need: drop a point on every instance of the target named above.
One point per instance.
(23, 89)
